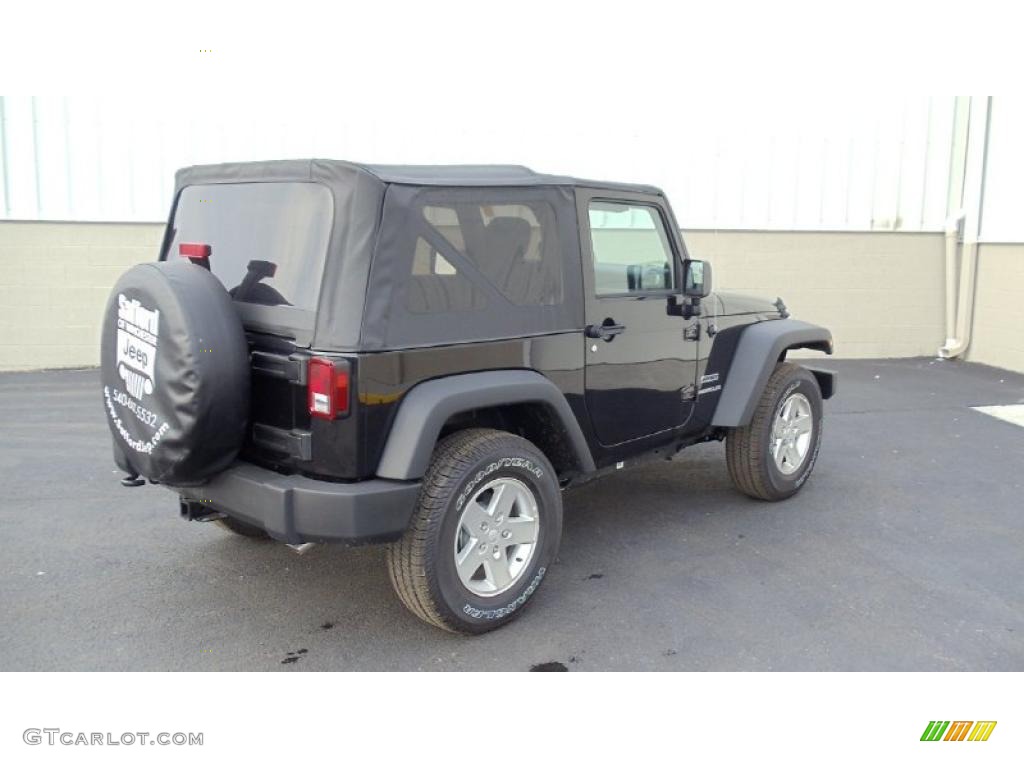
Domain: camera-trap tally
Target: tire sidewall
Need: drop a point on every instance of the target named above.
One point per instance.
(189, 421)
(471, 612)
(786, 485)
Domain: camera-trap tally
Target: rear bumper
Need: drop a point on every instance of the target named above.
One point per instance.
(298, 509)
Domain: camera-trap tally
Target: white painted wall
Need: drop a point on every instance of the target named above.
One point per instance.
(55, 279)
(814, 163)
(1003, 204)
(809, 164)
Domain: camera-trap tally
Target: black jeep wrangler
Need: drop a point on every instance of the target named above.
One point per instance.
(428, 356)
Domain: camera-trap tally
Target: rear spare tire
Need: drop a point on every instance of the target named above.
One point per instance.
(175, 373)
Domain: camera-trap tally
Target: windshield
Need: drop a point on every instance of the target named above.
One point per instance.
(268, 240)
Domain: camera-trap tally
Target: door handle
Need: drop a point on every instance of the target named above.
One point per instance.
(606, 331)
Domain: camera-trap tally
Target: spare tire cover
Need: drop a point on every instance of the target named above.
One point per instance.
(175, 373)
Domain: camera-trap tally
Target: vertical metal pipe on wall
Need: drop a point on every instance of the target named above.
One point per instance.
(975, 159)
(953, 224)
(954, 205)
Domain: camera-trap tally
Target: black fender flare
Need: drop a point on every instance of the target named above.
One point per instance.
(759, 349)
(427, 406)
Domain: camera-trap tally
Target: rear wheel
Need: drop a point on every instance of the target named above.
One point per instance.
(772, 457)
(485, 531)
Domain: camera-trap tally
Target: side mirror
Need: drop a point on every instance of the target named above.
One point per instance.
(696, 278)
(696, 286)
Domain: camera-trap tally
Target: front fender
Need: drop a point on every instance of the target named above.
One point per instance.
(426, 408)
(758, 351)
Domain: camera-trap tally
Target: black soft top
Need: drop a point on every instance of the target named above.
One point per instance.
(418, 175)
(489, 176)
(372, 225)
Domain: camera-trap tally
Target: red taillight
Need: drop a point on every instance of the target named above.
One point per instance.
(327, 388)
(199, 250)
(197, 253)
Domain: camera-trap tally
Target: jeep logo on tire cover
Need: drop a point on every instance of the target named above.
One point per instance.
(137, 334)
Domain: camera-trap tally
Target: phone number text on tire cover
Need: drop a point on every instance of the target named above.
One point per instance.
(144, 415)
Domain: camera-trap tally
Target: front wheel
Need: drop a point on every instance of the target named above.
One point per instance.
(772, 457)
(485, 532)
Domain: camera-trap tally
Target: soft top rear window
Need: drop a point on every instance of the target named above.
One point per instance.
(268, 240)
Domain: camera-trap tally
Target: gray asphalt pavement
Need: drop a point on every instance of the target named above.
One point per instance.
(905, 551)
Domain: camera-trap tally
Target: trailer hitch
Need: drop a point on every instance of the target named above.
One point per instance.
(198, 512)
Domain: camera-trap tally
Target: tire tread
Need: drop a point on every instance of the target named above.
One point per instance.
(745, 446)
(410, 560)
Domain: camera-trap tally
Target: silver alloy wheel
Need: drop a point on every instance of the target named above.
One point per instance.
(792, 432)
(497, 537)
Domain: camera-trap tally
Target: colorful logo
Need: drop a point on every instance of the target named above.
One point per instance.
(958, 730)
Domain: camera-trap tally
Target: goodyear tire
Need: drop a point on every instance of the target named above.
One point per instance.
(174, 366)
(773, 456)
(485, 532)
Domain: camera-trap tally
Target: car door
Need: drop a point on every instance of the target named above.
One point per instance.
(640, 370)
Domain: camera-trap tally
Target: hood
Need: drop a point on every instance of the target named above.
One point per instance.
(729, 303)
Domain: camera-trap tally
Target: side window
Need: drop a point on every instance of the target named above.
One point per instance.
(511, 246)
(437, 286)
(517, 251)
(631, 248)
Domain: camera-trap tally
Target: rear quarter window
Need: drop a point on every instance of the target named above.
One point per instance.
(459, 264)
(513, 248)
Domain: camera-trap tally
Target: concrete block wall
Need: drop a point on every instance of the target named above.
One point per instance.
(55, 278)
(998, 335)
(880, 293)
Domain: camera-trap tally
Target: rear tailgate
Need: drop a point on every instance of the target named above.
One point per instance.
(283, 435)
(268, 244)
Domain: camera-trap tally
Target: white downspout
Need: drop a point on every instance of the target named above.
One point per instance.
(957, 345)
(974, 191)
(952, 241)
